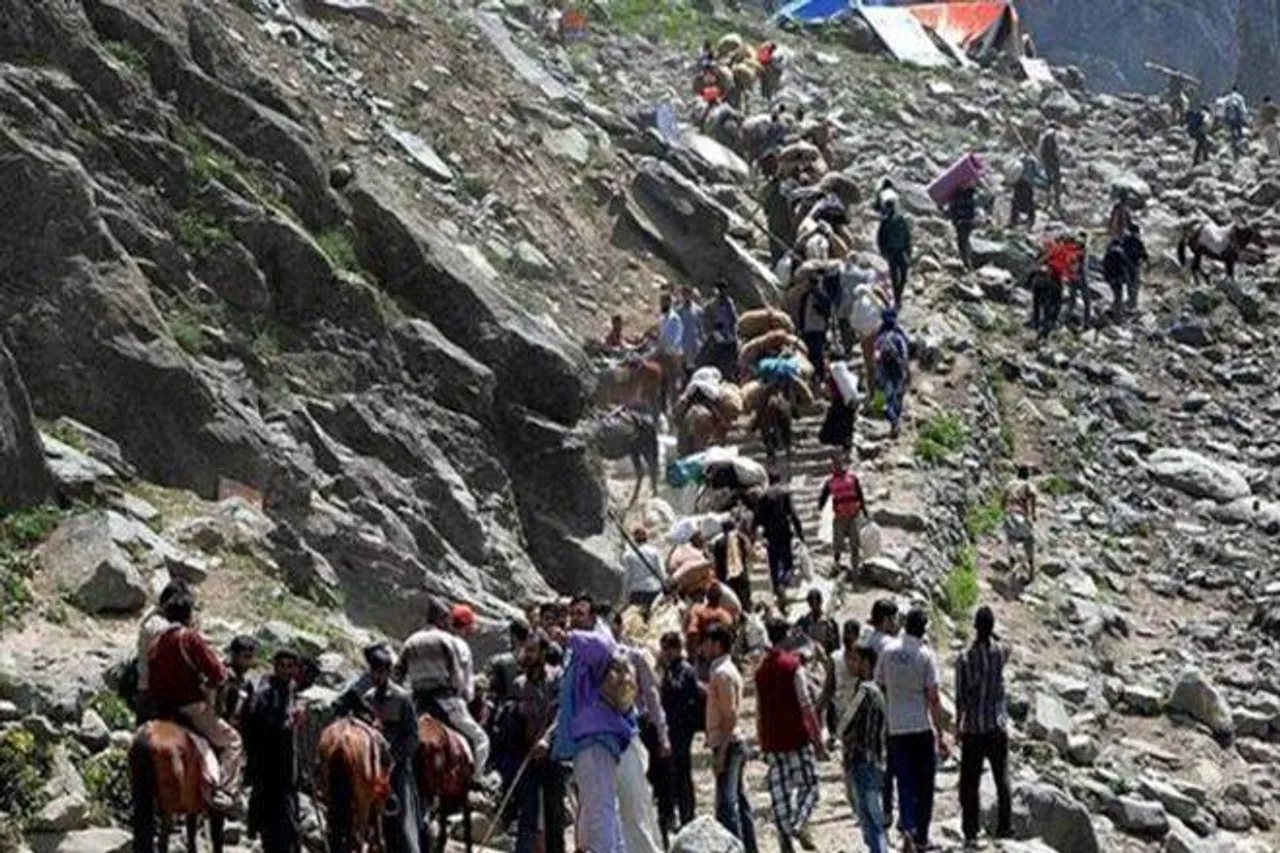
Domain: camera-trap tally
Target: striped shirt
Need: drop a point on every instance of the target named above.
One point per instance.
(864, 738)
(980, 696)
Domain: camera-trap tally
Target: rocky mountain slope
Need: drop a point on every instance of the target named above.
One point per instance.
(1221, 43)
(291, 295)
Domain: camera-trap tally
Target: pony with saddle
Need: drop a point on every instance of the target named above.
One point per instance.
(172, 771)
(444, 769)
(1225, 243)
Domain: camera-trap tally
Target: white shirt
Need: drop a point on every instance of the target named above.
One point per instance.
(906, 671)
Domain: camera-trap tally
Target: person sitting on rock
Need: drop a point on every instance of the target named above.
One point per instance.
(184, 671)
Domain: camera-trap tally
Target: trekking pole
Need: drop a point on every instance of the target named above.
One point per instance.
(511, 789)
(626, 537)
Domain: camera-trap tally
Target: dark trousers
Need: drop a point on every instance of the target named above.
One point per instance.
(1201, 152)
(817, 344)
(975, 750)
(541, 795)
(964, 243)
(276, 818)
(733, 809)
(741, 586)
(782, 561)
(1046, 306)
(674, 790)
(915, 767)
(899, 266)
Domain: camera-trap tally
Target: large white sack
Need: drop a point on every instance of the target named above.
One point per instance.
(749, 472)
(846, 382)
(869, 541)
(706, 374)
(718, 456)
(708, 524)
(658, 514)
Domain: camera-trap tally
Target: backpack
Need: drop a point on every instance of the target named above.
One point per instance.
(891, 351)
(620, 686)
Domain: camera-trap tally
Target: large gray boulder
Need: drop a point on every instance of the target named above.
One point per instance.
(101, 840)
(1054, 816)
(1197, 475)
(691, 231)
(24, 476)
(1050, 721)
(83, 558)
(705, 835)
(1195, 696)
(1143, 818)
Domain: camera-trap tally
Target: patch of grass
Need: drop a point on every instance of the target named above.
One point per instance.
(942, 434)
(200, 231)
(127, 55)
(340, 247)
(984, 518)
(960, 586)
(266, 342)
(1056, 485)
(207, 162)
(671, 21)
(19, 533)
(185, 329)
(68, 435)
(106, 781)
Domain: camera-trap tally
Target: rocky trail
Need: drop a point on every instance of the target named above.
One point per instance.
(290, 302)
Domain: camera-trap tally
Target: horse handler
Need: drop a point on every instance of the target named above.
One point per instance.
(398, 721)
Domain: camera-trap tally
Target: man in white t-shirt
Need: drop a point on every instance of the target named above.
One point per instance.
(907, 672)
(641, 570)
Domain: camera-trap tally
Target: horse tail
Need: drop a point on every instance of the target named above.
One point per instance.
(142, 783)
(340, 796)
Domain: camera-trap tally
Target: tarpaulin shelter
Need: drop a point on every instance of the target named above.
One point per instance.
(981, 28)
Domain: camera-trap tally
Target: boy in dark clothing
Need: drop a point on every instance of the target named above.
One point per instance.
(894, 241)
(1115, 269)
(1135, 252)
(684, 703)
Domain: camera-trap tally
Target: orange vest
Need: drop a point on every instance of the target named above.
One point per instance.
(846, 497)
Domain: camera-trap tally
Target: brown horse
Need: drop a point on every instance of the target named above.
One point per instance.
(633, 383)
(700, 427)
(166, 773)
(353, 780)
(444, 771)
(1221, 243)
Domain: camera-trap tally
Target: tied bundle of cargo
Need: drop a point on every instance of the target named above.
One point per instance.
(707, 387)
(753, 324)
(966, 171)
(769, 344)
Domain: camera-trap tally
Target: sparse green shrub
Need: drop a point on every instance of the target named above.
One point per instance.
(19, 533)
(207, 162)
(339, 246)
(106, 780)
(113, 709)
(985, 517)
(200, 232)
(1057, 485)
(960, 586)
(23, 764)
(128, 56)
(67, 434)
(185, 330)
(942, 434)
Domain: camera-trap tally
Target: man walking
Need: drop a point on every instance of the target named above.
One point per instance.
(670, 351)
(729, 755)
(641, 832)
(908, 675)
(730, 554)
(685, 706)
(1020, 518)
(981, 719)
(271, 723)
(1051, 159)
(724, 332)
(693, 332)
(893, 238)
(862, 739)
(850, 511)
(817, 626)
(398, 721)
(641, 570)
(776, 515)
(790, 737)
(541, 792)
(884, 630)
(1197, 124)
(963, 211)
(841, 681)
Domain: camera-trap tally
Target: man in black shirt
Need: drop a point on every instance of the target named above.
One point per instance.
(776, 515)
(270, 726)
(963, 209)
(684, 703)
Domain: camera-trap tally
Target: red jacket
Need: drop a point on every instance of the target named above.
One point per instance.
(180, 666)
(780, 718)
(846, 494)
